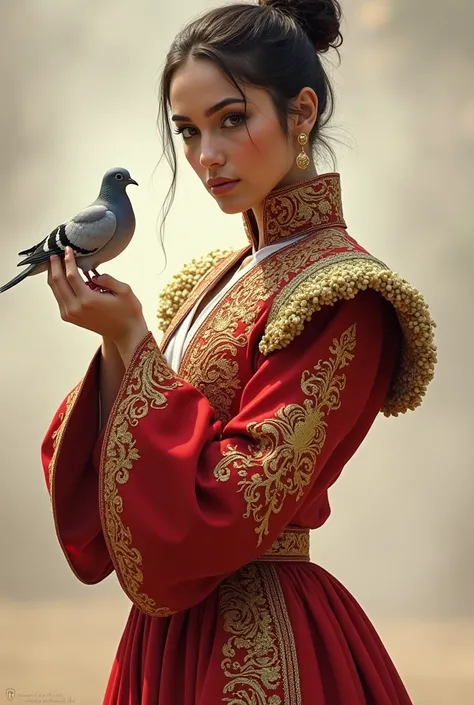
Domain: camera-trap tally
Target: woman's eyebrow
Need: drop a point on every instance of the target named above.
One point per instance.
(210, 111)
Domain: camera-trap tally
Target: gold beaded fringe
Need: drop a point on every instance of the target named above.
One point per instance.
(175, 293)
(311, 290)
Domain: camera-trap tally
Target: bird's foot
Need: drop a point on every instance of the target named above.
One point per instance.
(92, 285)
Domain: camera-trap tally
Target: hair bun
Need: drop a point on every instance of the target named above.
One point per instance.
(321, 19)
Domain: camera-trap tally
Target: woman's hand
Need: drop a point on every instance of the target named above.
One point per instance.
(115, 314)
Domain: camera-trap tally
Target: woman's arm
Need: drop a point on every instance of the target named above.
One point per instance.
(185, 501)
(71, 448)
(70, 458)
(112, 370)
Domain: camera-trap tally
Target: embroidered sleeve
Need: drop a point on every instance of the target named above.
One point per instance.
(69, 455)
(185, 500)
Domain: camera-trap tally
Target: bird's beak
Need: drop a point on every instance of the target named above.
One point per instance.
(132, 181)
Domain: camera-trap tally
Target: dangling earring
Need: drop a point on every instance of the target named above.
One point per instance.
(302, 160)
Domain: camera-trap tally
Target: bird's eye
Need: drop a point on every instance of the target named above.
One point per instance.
(119, 177)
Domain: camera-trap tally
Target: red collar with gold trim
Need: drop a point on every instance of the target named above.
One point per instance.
(306, 206)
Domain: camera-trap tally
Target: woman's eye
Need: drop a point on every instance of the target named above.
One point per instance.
(235, 119)
(184, 131)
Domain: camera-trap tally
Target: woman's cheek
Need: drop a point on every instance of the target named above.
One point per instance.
(258, 140)
(192, 158)
(245, 149)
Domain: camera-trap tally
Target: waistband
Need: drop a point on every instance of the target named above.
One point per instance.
(291, 545)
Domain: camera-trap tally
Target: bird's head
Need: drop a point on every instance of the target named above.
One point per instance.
(117, 179)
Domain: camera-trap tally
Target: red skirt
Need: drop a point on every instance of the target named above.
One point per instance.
(274, 633)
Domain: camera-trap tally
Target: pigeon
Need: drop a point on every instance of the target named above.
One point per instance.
(96, 234)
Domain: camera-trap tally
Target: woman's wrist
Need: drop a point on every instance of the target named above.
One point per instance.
(108, 348)
(128, 343)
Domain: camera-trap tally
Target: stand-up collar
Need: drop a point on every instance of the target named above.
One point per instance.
(305, 206)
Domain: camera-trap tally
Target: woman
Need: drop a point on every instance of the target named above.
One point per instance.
(199, 475)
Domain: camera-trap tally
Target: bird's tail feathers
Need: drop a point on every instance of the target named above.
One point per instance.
(19, 278)
(33, 248)
(27, 252)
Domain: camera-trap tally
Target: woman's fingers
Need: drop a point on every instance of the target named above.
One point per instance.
(108, 316)
(73, 276)
(114, 286)
(57, 279)
(63, 293)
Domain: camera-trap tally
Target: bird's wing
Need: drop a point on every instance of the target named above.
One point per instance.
(92, 228)
(89, 231)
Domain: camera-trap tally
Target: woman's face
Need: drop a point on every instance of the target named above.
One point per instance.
(221, 142)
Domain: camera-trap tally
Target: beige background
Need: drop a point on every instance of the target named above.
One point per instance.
(78, 85)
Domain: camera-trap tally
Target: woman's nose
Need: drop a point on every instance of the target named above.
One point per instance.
(211, 155)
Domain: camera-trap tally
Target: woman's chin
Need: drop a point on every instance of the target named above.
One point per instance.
(229, 206)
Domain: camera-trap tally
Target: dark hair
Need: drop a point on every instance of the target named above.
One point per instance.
(274, 45)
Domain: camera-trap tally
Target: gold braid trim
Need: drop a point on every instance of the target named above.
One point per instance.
(57, 435)
(343, 277)
(175, 293)
(143, 389)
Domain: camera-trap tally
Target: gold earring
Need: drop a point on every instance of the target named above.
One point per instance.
(302, 160)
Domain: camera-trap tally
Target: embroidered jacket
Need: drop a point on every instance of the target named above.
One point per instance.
(199, 470)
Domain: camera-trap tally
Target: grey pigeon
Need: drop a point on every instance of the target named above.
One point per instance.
(96, 234)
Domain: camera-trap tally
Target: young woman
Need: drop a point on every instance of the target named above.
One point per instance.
(196, 468)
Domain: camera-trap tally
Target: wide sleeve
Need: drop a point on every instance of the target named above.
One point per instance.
(185, 501)
(70, 454)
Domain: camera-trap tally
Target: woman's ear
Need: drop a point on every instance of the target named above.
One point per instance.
(306, 103)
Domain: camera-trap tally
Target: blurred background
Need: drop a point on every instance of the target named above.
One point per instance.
(78, 85)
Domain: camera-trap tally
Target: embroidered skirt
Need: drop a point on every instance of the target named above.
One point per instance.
(280, 631)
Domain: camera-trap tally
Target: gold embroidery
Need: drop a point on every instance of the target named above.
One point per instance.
(342, 276)
(177, 292)
(285, 636)
(57, 438)
(282, 460)
(58, 434)
(150, 376)
(305, 206)
(210, 362)
(260, 662)
(291, 545)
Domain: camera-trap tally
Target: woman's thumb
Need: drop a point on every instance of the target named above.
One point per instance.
(105, 281)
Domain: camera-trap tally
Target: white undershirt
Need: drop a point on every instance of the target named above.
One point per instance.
(184, 333)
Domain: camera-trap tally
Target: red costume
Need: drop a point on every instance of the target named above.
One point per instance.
(202, 488)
